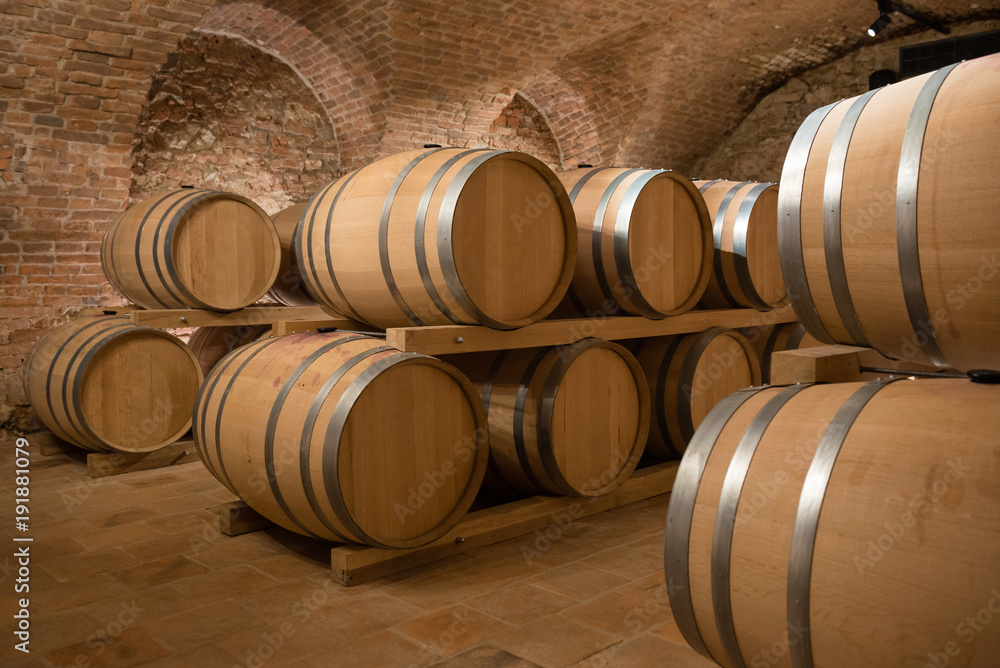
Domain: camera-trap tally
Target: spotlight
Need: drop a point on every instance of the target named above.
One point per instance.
(879, 25)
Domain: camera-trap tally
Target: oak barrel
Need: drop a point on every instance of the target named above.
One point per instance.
(847, 524)
(341, 437)
(644, 242)
(287, 288)
(888, 236)
(687, 375)
(769, 339)
(746, 272)
(211, 344)
(107, 385)
(440, 236)
(569, 420)
(192, 248)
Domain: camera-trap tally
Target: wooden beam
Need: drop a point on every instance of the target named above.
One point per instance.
(252, 315)
(282, 328)
(355, 564)
(100, 464)
(448, 339)
(237, 518)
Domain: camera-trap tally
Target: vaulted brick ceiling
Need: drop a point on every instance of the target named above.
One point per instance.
(621, 81)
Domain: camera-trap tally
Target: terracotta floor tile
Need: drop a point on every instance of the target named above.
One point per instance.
(597, 535)
(626, 561)
(302, 599)
(190, 522)
(51, 631)
(542, 550)
(283, 642)
(293, 566)
(436, 590)
(382, 649)
(56, 547)
(453, 629)
(161, 571)
(154, 478)
(235, 550)
(519, 603)
(118, 517)
(223, 584)
(97, 539)
(554, 641)
(615, 613)
(485, 656)
(668, 631)
(112, 647)
(89, 563)
(68, 595)
(203, 626)
(647, 651)
(209, 656)
(144, 551)
(496, 572)
(149, 605)
(356, 617)
(578, 581)
(651, 544)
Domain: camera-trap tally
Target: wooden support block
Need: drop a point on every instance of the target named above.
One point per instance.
(57, 448)
(100, 464)
(836, 364)
(449, 339)
(355, 564)
(237, 518)
(251, 315)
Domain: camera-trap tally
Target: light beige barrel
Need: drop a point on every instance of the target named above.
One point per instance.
(192, 248)
(847, 524)
(570, 420)
(746, 272)
(341, 437)
(687, 376)
(769, 339)
(887, 234)
(211, 344)
(440, 236)
(644, 243)
(287, 288)
(107, 385)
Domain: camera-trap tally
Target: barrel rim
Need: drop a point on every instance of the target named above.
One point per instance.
(338, 421)
(183, 216)
(546, 408)
(445, 239)
(283, 295)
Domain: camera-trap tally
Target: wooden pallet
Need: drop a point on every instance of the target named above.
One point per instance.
(355, 564)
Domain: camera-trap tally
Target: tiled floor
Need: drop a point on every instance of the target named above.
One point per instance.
(131, 570)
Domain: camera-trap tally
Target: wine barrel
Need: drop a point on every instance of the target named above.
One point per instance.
(887, 234)
(440, 236)
(746, 272)
(357, 442)
(770, 339)
(848, 524)
(687, 376)
(211, 344)
(287, 288)
(192, 248)
(568, 420)
(107, 385)
(644, 242)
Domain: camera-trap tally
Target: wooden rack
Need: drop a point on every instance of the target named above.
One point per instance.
(355, 564)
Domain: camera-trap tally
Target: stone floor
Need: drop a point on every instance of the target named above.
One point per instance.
(131, 570)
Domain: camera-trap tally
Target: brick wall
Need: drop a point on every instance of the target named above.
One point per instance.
(521, 127)
(623, 82)
(226, 116)
(755, 150)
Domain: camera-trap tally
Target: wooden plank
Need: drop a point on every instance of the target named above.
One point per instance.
(252, 315)
(57, 447)
(100, 464)
(355, 564)
(282, 328)
(448, 339)
(237, 518)
(836, 364)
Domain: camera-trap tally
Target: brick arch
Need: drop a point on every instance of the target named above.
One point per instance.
(344, 79)
(570, 117)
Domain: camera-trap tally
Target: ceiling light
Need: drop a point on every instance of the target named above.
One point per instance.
(879, 25)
